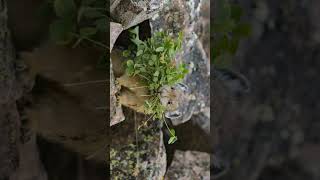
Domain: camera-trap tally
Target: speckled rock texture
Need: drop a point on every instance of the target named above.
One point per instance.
(137, 154)
(115, 30)
(132, 12)
(183, 16)
(189, 165)
(9, 92)
(116, 113)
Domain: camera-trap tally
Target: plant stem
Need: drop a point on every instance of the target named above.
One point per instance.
(143, 77)
(91, 40)
(165, 122)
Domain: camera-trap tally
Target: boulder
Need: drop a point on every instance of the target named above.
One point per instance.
(189, 165)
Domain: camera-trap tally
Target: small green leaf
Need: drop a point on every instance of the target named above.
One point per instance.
(135, 31)
(65, 8)
(88, 2)
(126, 53)
(236, 12)
(156, 74)
(173, 132)
(101, 24)
(130, 63)
(89, 12)
(155, 79)
(139, 52)
(151, 63)
(60, 31)
(87, 31)
(172, 139)
(160, 49)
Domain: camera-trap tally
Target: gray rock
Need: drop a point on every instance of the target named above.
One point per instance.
(137, 154)
(115, 31)
(189, 165)
(132, 12)
(9, 138)
(203, 120)
(183, 16)
(116, 114)
(29, 154)
(9, 88)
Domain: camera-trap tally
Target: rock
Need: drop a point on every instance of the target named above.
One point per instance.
(203, 120)
(9, 93)
(203, 28)
(115, 31)
(9, 87)
(314, 14)
(309, 159)
(137, 154)
(132, 12)
(29, 154)
(189, 165)
(183, 16)
(9, 138)
(116, 114)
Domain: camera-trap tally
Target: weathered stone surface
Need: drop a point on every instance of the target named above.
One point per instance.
(9, 88)
(189, 165)
(9, 136)
(116, 114)
(183, 16)
(115, 31)
(132, 12)
(203, 120)
(9, 92)
(137, 154)
(30, 166)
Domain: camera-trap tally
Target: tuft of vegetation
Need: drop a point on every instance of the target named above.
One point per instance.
(228, 30)
(153, 61)
(78, 21)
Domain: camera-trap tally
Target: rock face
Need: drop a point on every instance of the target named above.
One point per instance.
(115, 30)
(9, 92)
(189, 165)
(132, 12)
(137, 154)
(182, 16)
(116, 113)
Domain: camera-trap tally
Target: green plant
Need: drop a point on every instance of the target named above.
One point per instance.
(227, 32)
(78, 21)
(153, 61)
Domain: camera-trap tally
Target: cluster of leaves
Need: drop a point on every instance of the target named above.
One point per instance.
(77, 21)
(153, 61)
(227, 32)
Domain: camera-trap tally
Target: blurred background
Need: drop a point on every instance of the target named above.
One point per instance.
(273, 132)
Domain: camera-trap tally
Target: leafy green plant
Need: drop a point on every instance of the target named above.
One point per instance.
(78, 21)
(227, 32)
(153, 61)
